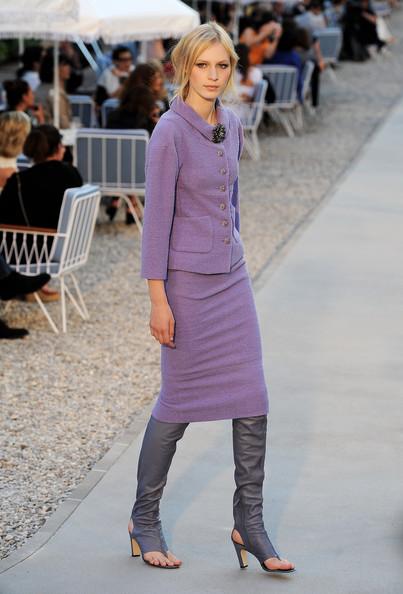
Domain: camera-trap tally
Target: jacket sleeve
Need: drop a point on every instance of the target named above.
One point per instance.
(235, 192)
(162, 169)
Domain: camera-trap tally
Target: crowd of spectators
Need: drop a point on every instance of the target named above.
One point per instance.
(284, 35)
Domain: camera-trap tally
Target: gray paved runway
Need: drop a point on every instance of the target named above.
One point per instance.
(332, 322)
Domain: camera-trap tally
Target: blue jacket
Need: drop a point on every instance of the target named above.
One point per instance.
(191, 218)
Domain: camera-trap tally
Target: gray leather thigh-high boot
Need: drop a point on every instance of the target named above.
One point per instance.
(249, 443)
(157, 451)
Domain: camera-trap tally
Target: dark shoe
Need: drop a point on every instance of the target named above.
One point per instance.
(157, 451)
(129, 219)
(6, 332)
(111, 211)
(249, 442)
(19, 284)
(46, 294)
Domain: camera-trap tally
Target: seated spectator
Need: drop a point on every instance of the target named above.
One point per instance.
(45, 91)
(31, 62)
(306, 49)
(313, 18)
(111, 81)
(13, 284)
(14, 128)
(151, 75)
(33, 198)
(261, 36)
(137, 109)
(246, 77)
(20, 97)
(310, 21)
(69, 49)
(287, 55)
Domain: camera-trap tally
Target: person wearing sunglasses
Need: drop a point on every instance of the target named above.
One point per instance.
(111, 81)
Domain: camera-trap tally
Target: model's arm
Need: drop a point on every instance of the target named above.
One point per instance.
(162, 168)
(235, 193)
(162, 323)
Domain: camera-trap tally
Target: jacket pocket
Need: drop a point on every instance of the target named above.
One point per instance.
(192, 234)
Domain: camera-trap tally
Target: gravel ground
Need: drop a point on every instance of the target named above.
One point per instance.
(65, 399)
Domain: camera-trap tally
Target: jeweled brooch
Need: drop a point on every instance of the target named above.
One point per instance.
(218, 133)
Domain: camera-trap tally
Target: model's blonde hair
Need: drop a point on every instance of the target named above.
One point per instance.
(189, 48)
(14, 128)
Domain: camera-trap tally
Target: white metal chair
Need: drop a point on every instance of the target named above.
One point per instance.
(59, 253)
(330, 42)
(250, 115)
(82, 107)
(284, 81)
(107, 106)
(114, 160)
(309, 67)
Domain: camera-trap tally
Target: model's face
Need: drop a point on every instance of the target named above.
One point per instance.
(211, 72)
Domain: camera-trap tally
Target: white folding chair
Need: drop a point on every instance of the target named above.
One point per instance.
(284, 81)
(82, 107)
(250, 115)
(107, 106)
(59, 253)
(330, 42)
(114, 160)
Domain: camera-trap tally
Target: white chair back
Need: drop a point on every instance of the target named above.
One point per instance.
(114, 160)
(107, 106)
(82, 107)
(284, 82)
(330, 42)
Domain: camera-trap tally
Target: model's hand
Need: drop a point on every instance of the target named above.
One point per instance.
(162, 324)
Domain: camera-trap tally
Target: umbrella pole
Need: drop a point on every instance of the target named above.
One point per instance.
(56, 86)
(208, 11)
(20, 46)
(238, 12)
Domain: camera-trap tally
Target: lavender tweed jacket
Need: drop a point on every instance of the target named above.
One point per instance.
(191, 218)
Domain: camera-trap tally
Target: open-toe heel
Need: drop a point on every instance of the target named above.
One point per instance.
(249, 441)
(291, 570)
(241, 554)
(137, 552)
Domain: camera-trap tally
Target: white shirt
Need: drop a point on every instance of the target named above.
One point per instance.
(32, 78)
(110, 79)
(254, 76)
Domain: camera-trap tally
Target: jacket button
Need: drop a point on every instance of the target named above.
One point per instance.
(226, 240)
(220, 153)
(222, 205)
(222, 188)
(223, 171)
(224, 223)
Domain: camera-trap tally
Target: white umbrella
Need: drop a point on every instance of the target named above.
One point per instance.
(114, 20)
(19, 11)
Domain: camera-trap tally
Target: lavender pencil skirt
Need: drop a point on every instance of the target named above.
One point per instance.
(215, 372)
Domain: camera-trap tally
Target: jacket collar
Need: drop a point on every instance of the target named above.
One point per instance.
(193, 118)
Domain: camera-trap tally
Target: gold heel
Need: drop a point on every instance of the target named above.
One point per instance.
(241, 554)
(135, 547)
